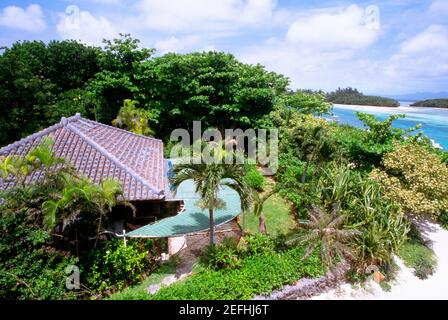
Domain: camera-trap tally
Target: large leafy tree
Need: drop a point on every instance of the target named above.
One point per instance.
(33, 76)
(209, 179)
(211, 87)
(120, 63)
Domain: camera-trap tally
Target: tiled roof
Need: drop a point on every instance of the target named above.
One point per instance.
(99, 152)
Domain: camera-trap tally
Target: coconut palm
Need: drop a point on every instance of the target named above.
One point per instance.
(327, 230)
(209, 179)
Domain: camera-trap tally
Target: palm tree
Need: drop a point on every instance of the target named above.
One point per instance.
(327, 230)
(81, 195)
(312, 144)
(40, 158)
(209, 179)
(259, 201)
(133, 119)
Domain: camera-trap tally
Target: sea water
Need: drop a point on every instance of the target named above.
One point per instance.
(434, 121)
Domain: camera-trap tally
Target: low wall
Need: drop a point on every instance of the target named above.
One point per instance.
(193, 244)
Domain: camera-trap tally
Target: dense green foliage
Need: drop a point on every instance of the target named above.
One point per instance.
(319, 166)
(366, 148)
(260, 271)
(353, 96)
(255, 179)
(431, 103)
(30, 268)
(307, 102)
(114, 266)
(140, 291)
(211, 87)
(41, 82)
(37, 79)
(349, 188)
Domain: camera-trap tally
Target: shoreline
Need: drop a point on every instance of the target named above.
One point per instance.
(386, 109)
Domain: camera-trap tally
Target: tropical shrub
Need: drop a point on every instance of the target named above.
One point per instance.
(114, 266)
(366, 148)
(225, 255)
(257, 245)
(29, 267)
(382, 225)
(415, 178)
(230, 253)
(255, 179)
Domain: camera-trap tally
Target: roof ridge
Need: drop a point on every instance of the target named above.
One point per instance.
(112, 158)
(122, 130)
(64, 121)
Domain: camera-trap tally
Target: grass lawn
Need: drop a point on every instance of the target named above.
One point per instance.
(278, 217)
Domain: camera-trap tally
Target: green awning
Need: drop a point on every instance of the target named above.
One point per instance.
(192, 219)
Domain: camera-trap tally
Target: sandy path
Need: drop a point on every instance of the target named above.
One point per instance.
(406, 286)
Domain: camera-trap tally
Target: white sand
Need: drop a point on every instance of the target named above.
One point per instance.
(406, 286)
(392, 110)
(378, 109)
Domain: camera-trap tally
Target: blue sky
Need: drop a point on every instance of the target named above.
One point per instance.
(388, 46)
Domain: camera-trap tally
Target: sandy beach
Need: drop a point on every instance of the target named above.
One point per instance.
(406, 286)
(400, 109)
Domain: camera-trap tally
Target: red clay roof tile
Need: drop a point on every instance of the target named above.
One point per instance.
(100, 151)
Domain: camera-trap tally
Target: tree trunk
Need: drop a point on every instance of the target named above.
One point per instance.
(261, 224)
(244, 222)
(305, 172)
(212, 227)
(98, 231)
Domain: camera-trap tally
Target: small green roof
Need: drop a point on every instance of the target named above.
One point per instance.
(192, 219)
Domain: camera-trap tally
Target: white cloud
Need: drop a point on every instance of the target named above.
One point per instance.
(319, 49)
(83, 26)
(175, 44)
(433, 38)
(439, 7)
(348, 28)
(193, 15)
(30, 19)
(422, 56)
(107, 1)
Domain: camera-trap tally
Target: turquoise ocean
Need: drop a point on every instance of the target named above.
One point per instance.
(434, 121)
